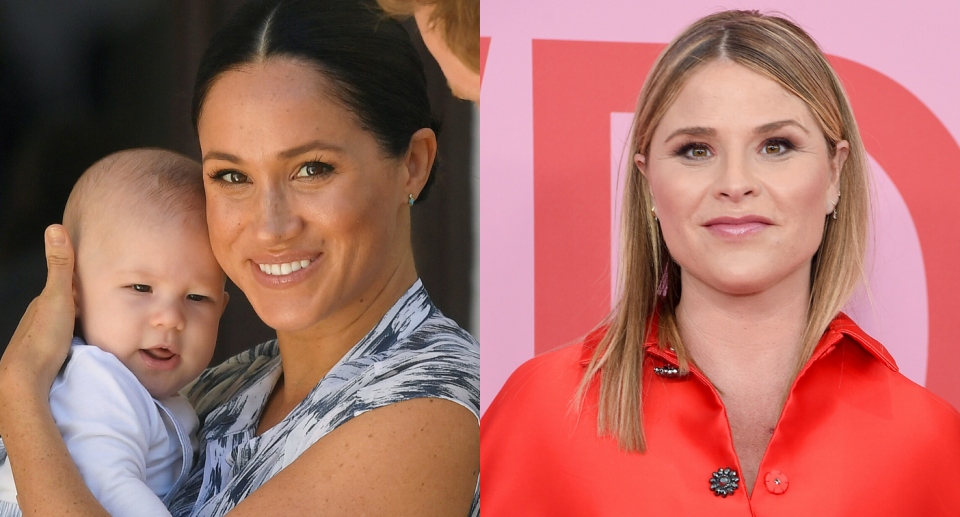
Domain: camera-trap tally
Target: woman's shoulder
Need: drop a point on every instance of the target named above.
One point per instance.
(441, 335)
(437, 359)
(553, 375)
(878, 372)
(885, 406)
(926, 416)
(527, 426)
(541, 390)
(415, 325)
(919, 430)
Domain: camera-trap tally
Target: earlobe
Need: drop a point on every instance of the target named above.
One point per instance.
(419, 161)
(840, 155)
(641, 162)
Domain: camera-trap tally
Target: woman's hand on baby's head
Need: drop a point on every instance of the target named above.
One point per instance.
(42, 339)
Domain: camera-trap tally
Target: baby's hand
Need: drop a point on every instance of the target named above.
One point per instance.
(42, 340)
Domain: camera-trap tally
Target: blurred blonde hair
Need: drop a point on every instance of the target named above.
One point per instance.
(458, 21)
(649, 280)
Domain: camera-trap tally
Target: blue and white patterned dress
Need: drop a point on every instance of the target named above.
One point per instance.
(413, 352)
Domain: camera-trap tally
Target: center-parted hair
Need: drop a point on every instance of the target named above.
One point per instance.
(649, 287)
(369, 59)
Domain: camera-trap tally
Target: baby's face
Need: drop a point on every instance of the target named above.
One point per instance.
(152, 295)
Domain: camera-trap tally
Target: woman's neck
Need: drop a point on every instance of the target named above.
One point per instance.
(745, 340)
(307, 355)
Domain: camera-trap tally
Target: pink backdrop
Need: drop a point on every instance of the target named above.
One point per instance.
(559, 87)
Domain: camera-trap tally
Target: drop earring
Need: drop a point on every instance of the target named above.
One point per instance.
(410, 199)
(654, 210)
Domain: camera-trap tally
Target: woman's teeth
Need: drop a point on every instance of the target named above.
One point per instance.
(284, 269)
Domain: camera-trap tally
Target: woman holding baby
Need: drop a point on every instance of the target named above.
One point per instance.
(316, 142)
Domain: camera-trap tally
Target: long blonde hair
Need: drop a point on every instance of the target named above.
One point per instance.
(648, 278)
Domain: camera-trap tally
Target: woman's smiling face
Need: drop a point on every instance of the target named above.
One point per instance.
(741, 178)
(307, 214)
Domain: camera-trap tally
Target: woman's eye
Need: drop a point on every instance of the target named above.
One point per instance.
(230, 177)
(314, 169)
(695, 151)
(141, 288)
(776, 147)
(197, 297)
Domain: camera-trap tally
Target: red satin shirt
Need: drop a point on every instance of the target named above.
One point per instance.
(854, 438)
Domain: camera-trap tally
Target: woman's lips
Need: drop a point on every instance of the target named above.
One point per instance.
(280, 272)
(737, 226)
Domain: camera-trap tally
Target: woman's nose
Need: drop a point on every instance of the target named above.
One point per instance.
(168, 315)
(735, 178)
(277, 221)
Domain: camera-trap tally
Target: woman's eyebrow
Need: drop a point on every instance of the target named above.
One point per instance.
(692, 131)
(773, 126)
(216, 155)
(315, 145)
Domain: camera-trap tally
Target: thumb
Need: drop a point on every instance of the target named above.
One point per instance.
(59, 253)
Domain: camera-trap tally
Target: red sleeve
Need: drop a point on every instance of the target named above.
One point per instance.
(522, 435)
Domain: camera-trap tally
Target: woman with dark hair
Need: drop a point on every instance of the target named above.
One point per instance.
(317, 141)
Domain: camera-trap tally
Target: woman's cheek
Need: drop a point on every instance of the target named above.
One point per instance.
(809, 211)
(674, 210)
(225, 222)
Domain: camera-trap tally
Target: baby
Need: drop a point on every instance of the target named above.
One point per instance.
(149, 296)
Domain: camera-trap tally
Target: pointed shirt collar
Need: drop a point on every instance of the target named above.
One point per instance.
(841, 326)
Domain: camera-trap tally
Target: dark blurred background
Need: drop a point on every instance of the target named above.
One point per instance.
(80, 79)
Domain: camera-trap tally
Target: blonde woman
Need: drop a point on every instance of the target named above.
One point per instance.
(726, 381)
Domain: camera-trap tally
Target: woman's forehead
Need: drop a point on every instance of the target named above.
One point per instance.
(726, 96)
(269, 79)
(273, 104)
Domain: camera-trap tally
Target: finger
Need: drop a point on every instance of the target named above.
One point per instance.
(59, 253)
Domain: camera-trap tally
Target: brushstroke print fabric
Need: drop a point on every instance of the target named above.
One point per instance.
(413, 352)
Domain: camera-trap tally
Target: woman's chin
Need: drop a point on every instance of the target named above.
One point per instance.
(753, 279)
(287, 321)
(283, 314)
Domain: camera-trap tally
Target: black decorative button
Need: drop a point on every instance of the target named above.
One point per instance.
(724, 482)
(666, 371)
